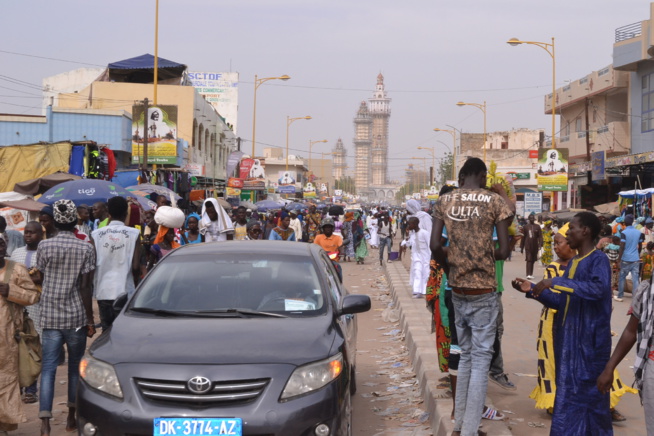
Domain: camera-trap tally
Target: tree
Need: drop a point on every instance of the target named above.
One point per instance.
(346, 184)
(445, 169)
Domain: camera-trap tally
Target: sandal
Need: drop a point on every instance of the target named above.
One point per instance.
(617, 416)
(30, 398)
(492, 414)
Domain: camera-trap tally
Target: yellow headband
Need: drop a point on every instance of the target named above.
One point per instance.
(564, 230)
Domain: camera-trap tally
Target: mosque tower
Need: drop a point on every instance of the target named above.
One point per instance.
(362, 143)
(380, 112)
(339, 165)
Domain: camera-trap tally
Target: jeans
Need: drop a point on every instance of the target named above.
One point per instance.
(625, 268)
(383, 242)
(497, 363)
(476, 325)
(52, 340)
(107, 315)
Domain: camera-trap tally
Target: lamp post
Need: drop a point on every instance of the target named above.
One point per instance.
(549, 48)
(424, 170)
(431, 150)
(290, 121)
(310, 146)
(322, 163)
(453, 133)
(481, 107)
(257, 83)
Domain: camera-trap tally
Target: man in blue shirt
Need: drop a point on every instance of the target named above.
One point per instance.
(629, 258)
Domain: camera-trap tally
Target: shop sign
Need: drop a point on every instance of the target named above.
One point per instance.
(195, 169)
(234, 182)
(244, 168)
(255, 184)
(597, 163)
(552, 170)
(432, 194)
(533, 203)
(162, 134)
(522, 176)
(533, 154)
(233, 192)
(286, 189)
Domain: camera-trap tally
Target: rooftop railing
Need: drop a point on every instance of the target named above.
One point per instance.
(627, 32)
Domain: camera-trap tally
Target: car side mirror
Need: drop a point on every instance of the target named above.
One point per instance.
(354, 304)
(119, 303)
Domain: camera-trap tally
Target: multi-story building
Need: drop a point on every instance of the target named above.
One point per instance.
(340, 160)
(362, 146)
(380, 110)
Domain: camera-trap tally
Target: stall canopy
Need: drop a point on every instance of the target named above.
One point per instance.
(140, 69)
(42, 184)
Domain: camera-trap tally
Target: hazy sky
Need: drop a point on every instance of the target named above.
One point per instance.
(432, 53)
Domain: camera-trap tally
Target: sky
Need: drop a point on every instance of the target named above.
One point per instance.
(432, 54)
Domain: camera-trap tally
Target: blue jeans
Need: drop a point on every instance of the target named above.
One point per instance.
(52, 340)
(383, 242)
(476, 325)
(625, 268)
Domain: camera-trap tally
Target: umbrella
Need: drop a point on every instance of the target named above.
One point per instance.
(145, 202)
(265, 205)
(321, 206)
(83, 191)
(42, 184)
(295, 206)
(149, 189)
(336, 210)
(248, 204)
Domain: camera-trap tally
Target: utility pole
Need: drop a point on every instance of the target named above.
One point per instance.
(144, 163)
(590, 173)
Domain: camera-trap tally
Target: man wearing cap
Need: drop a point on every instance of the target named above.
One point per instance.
(327, 239)
(647, 230)
(629, 257)
(65, 263)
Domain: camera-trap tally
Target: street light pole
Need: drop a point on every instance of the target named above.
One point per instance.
(310, 146)
(257, 83)
(453, 133)
(481, 107)
(431, 150)
(549, 48)
(290, 121)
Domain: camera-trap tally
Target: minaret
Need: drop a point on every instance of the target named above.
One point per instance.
(362, 143)
(339, 153)
(380, 110)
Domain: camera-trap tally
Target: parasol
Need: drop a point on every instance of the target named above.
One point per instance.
(83, 191)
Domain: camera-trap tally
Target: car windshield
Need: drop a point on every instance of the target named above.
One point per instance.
(228, 285)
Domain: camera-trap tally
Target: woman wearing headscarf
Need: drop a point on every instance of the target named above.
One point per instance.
(346, 233)
(215, 225)
(192, 235)
(359, 235)
(164, 243)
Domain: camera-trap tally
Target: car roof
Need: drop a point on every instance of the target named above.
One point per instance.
(284, 248)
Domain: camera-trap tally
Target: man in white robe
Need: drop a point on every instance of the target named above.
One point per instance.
(420, 257)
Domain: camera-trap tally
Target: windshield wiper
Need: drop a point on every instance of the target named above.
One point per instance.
(241, 312)
(161, 312)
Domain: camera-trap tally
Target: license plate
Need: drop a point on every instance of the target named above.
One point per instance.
(198, 426)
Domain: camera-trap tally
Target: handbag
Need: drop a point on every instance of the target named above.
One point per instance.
(30, 352)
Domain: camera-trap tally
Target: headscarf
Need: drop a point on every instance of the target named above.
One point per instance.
(349, 216)
(415, 208)
(160, 237)
(192, 215)
(223, 219)
(563, 231)
(47, 211)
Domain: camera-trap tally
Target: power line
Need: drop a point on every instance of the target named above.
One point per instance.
(49, 58)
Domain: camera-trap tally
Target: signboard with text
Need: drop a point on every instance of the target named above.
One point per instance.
(552, 169)
(533, 203)
(220, 90)
(162, 134)
(597, 161)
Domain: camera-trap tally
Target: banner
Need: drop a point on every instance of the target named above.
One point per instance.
(244, 168)
(552, 169)
(162, 134)
(221, 91)
(597, 160)
(232, 161)
(195, 169)
(432, 194)
(287, 178)
(24, 162)
(309, 191)
(234, 182)
(16, 219)
(286, 189)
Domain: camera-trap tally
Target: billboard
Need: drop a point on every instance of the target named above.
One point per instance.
(552, 169)
(287, 178)
(598, 159)
(221, 91)
(162, 134)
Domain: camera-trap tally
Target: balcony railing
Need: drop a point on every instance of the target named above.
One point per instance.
(627, 32)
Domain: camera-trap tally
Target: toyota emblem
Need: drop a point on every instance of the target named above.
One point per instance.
(199, 385)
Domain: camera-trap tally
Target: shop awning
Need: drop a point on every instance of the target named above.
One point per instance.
(140, 69)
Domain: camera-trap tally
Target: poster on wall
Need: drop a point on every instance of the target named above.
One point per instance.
(552, 171)
(309, 191)
(162, 134)
(15, 218)
(221, 91)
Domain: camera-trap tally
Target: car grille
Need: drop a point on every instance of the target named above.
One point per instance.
(223, 392)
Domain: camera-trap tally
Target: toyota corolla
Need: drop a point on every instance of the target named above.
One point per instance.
(241, 338)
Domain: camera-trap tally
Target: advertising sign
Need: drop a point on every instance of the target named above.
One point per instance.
(234, 182)
(286, 189)
(533, 203)
(533, 154)
(244, 168)
(233, 160)
(287, 178)
(597, 160)
(162, 134)
(309, 191)
(432, 194)
(233, 192)
(195, 169)
(221, 91)
(552, 169)
(16, 219)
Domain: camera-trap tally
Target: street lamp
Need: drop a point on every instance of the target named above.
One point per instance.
(257, 83)
(481, 107)
(549, 48)
(453, 133)
(290, 121)
(310, 146)
(322, 163)
(431, 150)
(424, 170)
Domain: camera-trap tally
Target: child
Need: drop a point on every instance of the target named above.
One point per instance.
(647, 260)
(612, 250)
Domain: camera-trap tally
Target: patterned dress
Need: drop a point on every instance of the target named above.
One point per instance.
(548, 236)
(647, 260)
(346, 232)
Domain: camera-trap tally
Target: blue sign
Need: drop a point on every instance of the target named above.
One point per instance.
(286, 189)
(533, 203)
(597, 160)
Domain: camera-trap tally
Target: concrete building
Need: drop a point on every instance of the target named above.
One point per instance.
(274, 162)
(362, 147)
(380, 111)
(340, 160)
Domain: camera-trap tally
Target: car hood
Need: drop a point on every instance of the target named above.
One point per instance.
(151, 339)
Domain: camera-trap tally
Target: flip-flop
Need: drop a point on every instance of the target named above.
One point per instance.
(492, 414)
(617, 416)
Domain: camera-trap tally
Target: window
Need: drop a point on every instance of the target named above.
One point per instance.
(566, 129)
(578, 125)
(647, 109)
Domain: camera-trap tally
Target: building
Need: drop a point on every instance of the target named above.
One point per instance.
(362, 148)
(380, 111)
(274, 162)
(340, 160)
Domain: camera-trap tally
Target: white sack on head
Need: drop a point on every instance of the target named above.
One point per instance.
(170, 217)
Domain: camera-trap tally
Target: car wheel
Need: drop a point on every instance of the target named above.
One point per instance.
(353, 381)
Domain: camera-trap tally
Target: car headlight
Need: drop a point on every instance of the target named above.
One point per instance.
(100, 375)
(313, 376)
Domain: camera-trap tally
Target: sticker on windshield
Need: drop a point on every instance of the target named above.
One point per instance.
(316, 292)
(296, 305)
